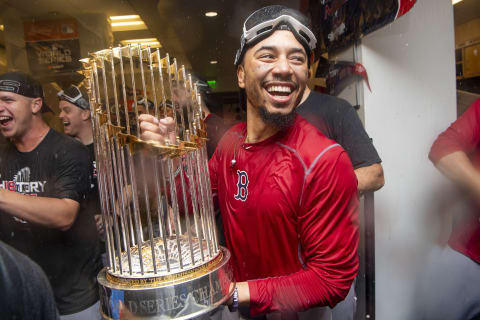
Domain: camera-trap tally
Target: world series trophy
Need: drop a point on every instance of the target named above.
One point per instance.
(164, 261)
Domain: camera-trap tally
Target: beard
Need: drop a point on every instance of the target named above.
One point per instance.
(278, 120)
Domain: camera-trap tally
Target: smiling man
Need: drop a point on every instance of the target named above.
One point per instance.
(77, 123)
(43, 181)
(287, 194)
(75, 114)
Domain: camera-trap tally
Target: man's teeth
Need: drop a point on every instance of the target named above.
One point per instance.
(4, 119)
(279, 89)
(66, 123)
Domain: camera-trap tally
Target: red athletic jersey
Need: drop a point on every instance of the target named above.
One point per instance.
(289, 209)
(463, 135)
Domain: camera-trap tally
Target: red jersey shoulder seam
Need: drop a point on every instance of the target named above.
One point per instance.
(314, 162)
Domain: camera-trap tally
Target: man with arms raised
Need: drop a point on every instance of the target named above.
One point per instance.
(44, 177)
(287, 194)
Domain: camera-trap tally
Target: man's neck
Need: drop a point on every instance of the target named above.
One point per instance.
(306, 93)
(85, 135)
(32, 138)
(257, 129)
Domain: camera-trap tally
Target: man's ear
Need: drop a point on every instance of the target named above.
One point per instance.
(85, 114)
(312, 61)
(241, 76)
(36, 105)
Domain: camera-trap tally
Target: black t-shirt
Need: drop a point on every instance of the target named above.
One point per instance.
(338, 121)
(93, 173)
(24, 288)
(58, 167)
(93, 197)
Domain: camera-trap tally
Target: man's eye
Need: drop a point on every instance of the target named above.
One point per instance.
(298, 58)
(267, 56)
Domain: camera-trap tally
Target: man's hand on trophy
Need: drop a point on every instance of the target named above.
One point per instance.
(100, 225)
(152, 129)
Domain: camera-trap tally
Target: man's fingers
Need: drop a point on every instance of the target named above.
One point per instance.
(147, 118)
(151, 136)
(151, 127)
(99, 222)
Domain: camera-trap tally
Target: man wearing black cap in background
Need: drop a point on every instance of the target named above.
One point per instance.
(287, 194)
(75, 114)
(44, 176)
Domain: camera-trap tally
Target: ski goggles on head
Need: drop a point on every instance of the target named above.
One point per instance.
(265, 21)
(74, 96)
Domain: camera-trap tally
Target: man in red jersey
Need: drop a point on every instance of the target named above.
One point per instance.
(287, 194)
(456, 153)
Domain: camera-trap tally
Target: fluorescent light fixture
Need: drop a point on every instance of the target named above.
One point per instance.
(130, 17)
(152, 42)
(139, 40)
(127, 23)
(211, 14)
(454, 2)
(213, 62)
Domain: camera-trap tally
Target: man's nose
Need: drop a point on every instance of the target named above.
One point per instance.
(283, 67)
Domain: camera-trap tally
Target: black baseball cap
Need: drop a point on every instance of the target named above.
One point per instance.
(263, 22)
(76, 96)
(23, 84)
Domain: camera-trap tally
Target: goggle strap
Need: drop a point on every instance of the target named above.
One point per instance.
(300, 28)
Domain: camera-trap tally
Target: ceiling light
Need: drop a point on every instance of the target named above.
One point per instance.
(454, 2)
(214, 62)
(211, 14)
(127, 23)
(152, 42)
(138, 40)
(130, 17)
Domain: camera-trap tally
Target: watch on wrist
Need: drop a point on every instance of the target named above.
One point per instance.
(234, 306)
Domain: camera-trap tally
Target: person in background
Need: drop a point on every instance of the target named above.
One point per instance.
(77, 123)
(338, 121)
(214, 124)
(216, 128)
(287, 194)
(452, 291)
(25, 290)
(44, 179)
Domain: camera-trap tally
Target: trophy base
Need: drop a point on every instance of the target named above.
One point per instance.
(183, 295)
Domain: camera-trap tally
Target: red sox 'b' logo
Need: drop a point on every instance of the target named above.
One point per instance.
(242, 186)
